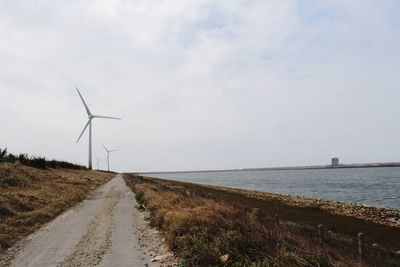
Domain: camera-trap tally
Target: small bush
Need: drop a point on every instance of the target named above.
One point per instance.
(3, 153)
(140, 198)
(140, 207)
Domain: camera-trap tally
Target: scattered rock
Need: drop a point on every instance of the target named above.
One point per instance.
(158, 258)
(385, 216)
(393, 220)
(224, 258)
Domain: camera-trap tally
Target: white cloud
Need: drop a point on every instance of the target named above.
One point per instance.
(202, 84)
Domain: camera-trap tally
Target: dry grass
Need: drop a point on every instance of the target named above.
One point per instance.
(30, 197)
(205, 228)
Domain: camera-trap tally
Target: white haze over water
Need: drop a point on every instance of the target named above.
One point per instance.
(202, 84)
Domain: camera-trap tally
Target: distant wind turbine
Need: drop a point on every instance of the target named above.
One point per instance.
(98, 162)
(89, 123)
(108, 156)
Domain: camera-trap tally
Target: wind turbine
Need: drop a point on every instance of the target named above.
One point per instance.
(89, 123)
(108, 156)
(98, 162)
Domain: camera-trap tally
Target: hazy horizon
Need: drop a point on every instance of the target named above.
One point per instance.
(202, 85)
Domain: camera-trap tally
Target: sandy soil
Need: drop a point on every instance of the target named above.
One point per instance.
(104, 230)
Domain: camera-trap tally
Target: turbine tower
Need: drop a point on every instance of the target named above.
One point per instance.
(108, 156)
(89, 123)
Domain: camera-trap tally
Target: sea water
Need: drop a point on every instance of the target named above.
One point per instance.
(378, 187)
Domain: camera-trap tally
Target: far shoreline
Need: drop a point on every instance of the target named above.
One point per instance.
(292, 168)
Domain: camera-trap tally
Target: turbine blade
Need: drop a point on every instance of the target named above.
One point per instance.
(87, 124)
(105, 148)
(105, 117)
(84, 103)
(114, 150)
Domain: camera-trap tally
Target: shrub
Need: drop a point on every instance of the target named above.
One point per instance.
(37, 162)
(3, 153)
(140, 198)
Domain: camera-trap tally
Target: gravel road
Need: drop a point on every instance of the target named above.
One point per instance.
(103, 230)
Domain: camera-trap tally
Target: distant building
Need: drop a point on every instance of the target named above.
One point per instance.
(335, 161)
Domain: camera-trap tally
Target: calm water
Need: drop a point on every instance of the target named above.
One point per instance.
(370, 186)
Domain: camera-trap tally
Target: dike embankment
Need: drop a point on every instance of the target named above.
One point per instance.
(210, 225)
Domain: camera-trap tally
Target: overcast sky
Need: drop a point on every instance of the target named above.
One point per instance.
(202, 84)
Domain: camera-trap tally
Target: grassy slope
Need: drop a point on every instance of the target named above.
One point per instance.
(203, 223)
(30, 197)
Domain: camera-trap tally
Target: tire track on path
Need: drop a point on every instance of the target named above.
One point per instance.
(97, 241)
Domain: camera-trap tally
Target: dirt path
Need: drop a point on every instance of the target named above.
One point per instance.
(104, 230)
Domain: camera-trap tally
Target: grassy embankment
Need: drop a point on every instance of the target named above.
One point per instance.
(211, 226)
(30, 197)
